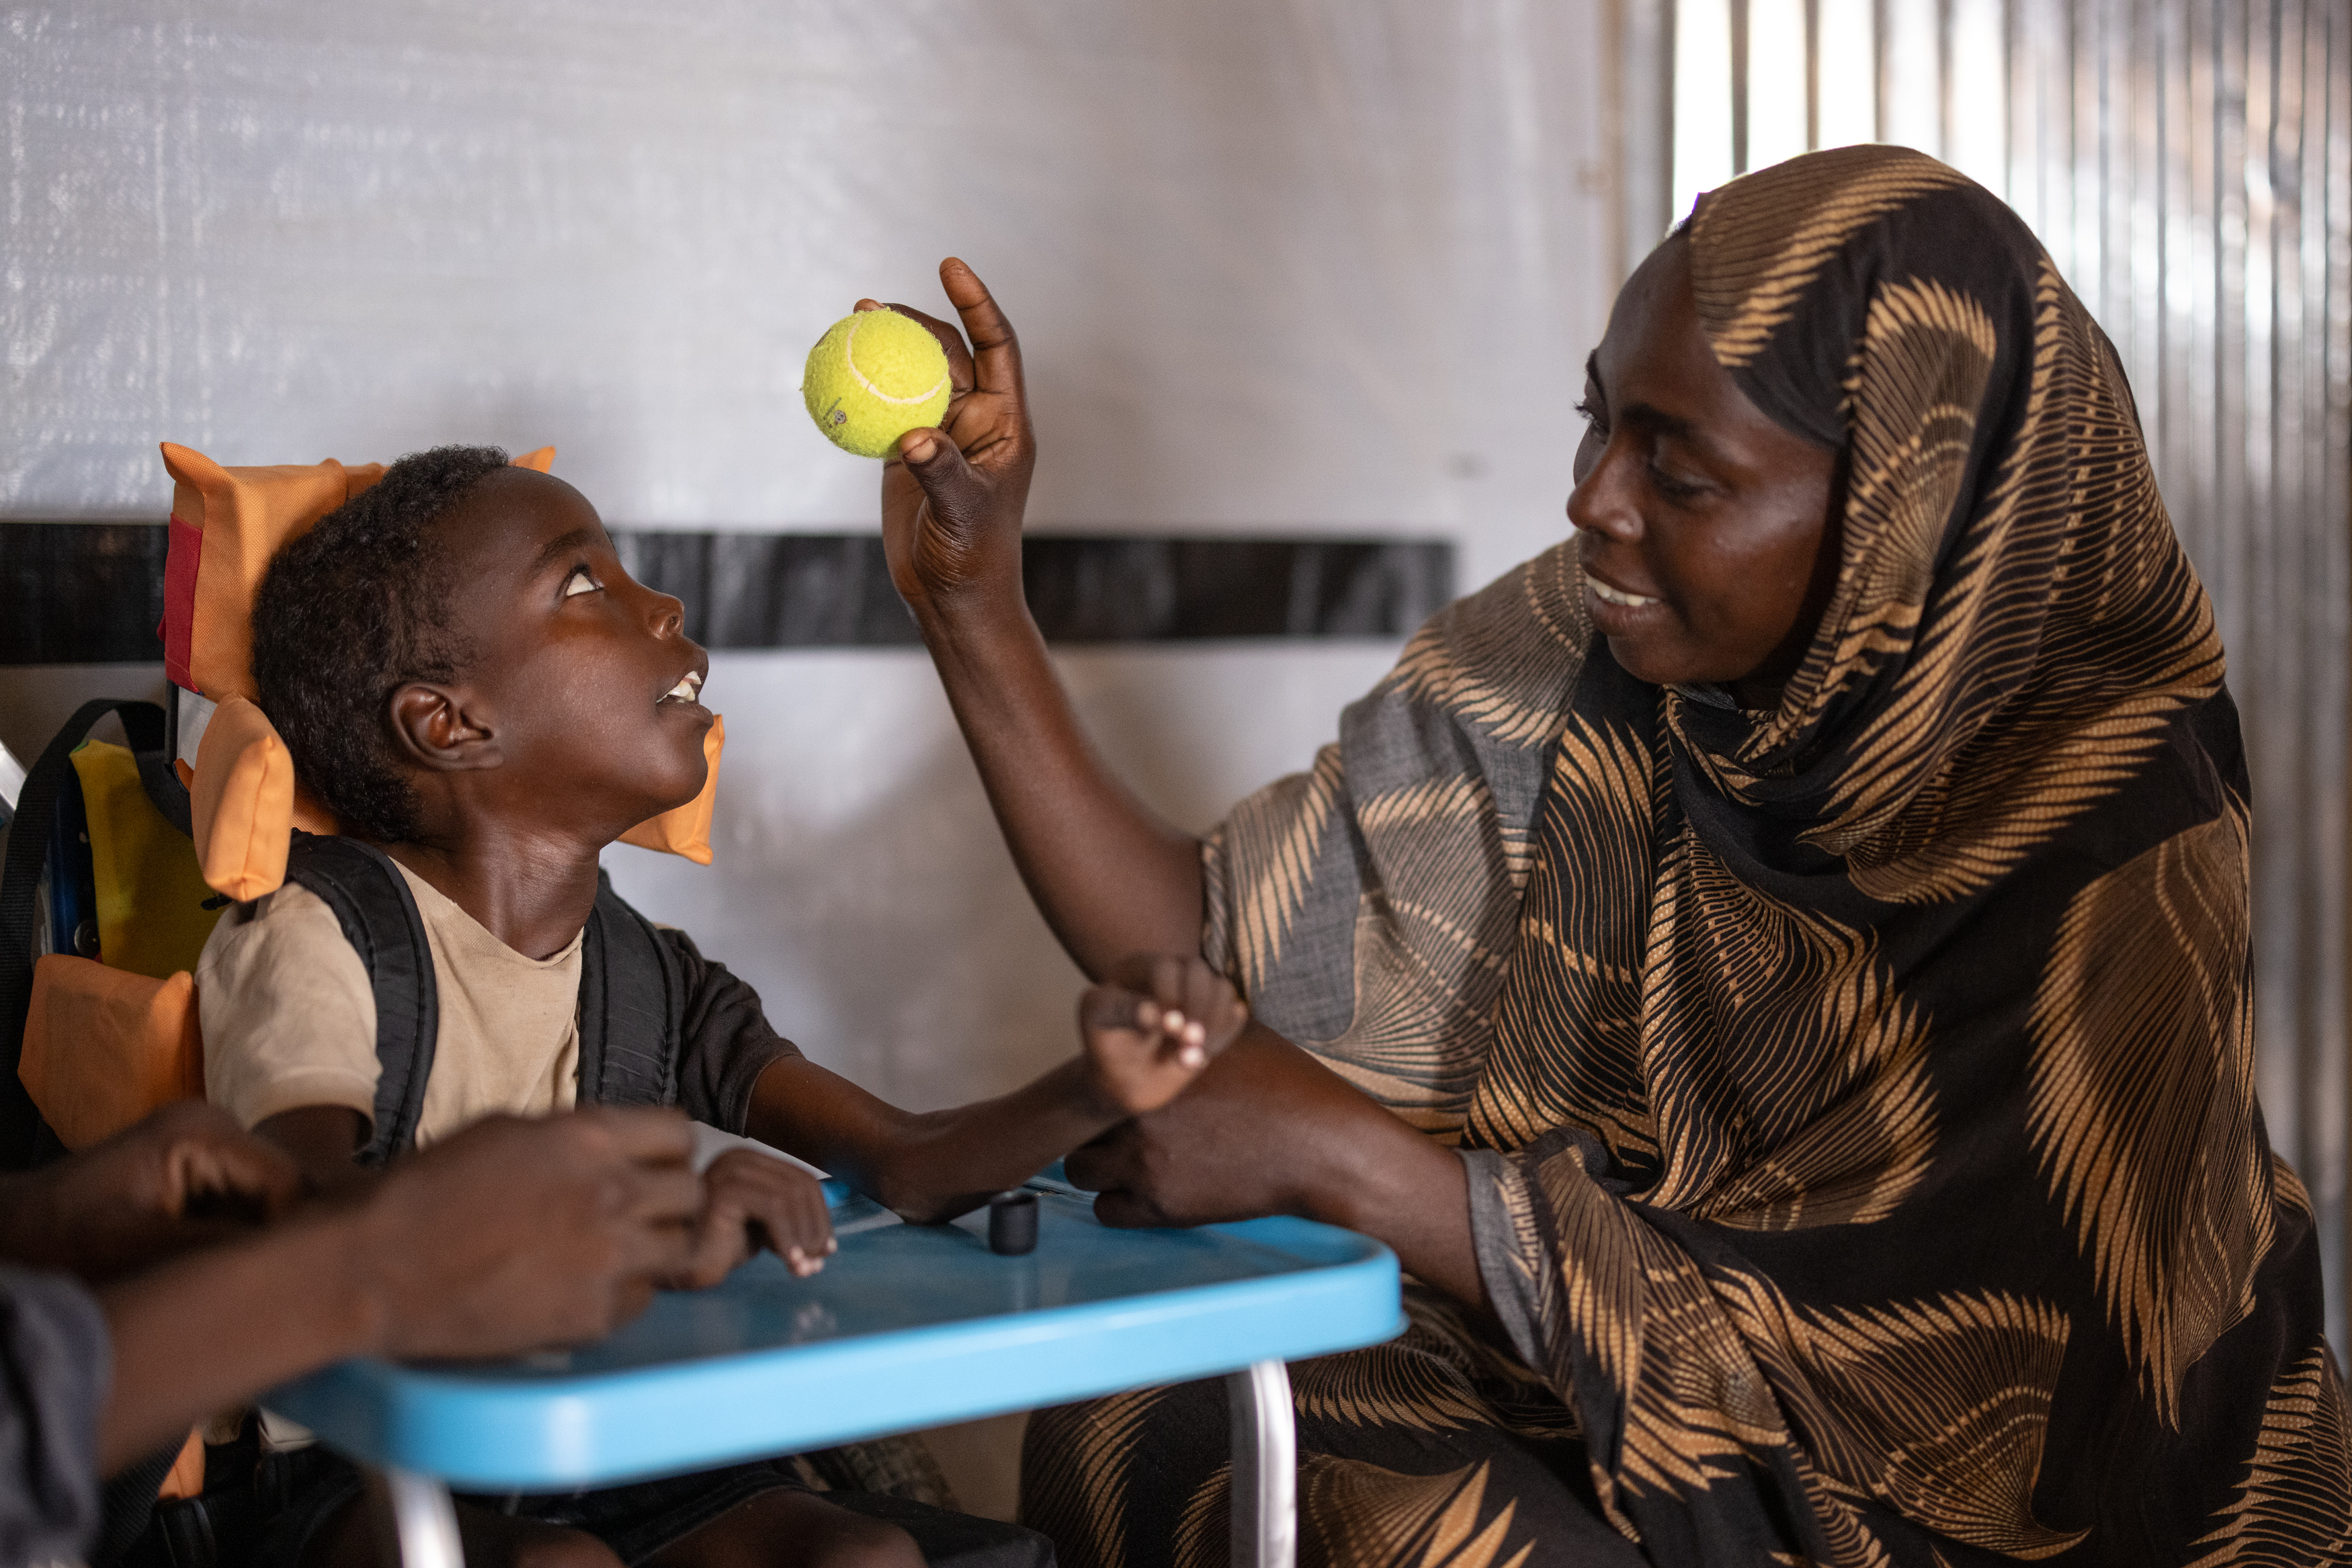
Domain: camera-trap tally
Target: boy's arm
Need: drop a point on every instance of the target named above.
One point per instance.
(1145, 1039)
(932, 1166)
(321, 1140)
(289, 1027)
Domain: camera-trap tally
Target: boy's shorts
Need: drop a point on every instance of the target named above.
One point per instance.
(638, 1519)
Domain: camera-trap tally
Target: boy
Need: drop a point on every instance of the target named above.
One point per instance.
(467, 678)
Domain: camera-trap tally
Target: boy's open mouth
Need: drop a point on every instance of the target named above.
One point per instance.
(688, 688)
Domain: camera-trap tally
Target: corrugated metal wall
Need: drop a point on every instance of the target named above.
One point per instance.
(2188, 163)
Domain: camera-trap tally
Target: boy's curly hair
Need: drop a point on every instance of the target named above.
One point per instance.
(348, 615)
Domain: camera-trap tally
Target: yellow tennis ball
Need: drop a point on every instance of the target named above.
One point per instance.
(872, 378)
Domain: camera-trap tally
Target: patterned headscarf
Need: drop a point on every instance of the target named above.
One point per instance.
(1858, 1095)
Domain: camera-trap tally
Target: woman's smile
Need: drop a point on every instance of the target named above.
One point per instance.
(1620, 611)
(1614, 596)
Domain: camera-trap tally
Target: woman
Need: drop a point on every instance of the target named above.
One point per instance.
(1775, 968)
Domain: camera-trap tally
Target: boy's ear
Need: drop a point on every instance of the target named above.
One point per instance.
(433, 728)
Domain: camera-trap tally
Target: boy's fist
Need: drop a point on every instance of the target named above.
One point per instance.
(752, 1200)
(1153, 1025)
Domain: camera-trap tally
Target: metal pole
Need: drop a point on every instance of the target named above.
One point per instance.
(1266, 1467)
(1739, 95)
(426, 1521)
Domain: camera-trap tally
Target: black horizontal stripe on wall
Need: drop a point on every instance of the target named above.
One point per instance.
(833, 590)
(81, 593)
(92, 592)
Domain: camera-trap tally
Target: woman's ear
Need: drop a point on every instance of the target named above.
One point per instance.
(431, 725)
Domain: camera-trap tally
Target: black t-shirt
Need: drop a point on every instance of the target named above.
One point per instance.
(726, 1042)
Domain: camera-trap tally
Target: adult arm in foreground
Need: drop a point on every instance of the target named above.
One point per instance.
(594, 1208)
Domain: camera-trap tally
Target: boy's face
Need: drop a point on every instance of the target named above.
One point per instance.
(582, 681)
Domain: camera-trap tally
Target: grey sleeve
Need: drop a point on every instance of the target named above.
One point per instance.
(726, 1042)
(1512, 1290)
(56, 1364)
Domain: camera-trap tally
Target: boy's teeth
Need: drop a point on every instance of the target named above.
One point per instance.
(1608, 595)
(684, 690)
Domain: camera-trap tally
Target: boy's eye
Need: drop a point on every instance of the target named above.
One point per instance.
(580, 581)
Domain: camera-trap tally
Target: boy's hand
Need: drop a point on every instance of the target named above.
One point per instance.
(1150, 1030)
(187, 1176)
(951, 509)
(750, 1201)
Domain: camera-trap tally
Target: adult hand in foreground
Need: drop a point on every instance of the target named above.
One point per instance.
(951, 509)
(1267, 1129)
(187, 1176)
(511, 1236)
(516, 1233)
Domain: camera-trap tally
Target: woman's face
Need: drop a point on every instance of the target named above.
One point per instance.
(1705, 527)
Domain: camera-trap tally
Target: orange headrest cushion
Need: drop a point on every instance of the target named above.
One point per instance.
(227, 525)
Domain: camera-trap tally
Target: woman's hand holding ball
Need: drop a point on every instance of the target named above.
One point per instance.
(952, 498)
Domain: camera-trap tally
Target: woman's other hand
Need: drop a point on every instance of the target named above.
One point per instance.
(187, 1176)
(752, 1200)
(1267, 1129)
(1153, 1025)
(951, 508)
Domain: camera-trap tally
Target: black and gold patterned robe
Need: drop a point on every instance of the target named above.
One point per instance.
(1858, 1096)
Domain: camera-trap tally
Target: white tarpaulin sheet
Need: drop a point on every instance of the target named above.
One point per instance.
(1280, 267)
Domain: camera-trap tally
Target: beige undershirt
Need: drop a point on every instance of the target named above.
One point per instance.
(288, 1015)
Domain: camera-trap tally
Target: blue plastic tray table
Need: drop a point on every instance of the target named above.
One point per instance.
(907, 1327)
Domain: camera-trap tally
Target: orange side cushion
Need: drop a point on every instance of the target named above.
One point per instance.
(686, 830)
(103, 1049)
(187, 1474)
(241, 803)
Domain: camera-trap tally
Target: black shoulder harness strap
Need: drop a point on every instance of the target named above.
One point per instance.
(632, 994)
(632, 1006)
(378, 914)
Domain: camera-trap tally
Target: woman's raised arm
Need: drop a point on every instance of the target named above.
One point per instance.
(1265, 1129)
(1111, 878)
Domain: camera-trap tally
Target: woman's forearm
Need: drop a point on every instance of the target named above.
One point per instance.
(1111, 878)
(1413, 1193)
